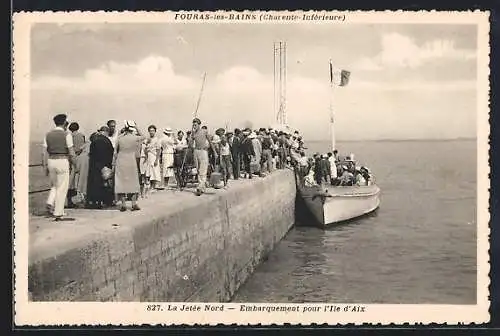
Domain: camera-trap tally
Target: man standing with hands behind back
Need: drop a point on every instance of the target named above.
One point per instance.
(58, 155)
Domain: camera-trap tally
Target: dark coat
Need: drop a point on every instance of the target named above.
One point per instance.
(246, 147)
(100, 156)
(234, 146)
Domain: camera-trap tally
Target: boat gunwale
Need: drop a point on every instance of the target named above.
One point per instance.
(375, 191)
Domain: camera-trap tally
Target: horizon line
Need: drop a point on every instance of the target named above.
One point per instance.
(396, 139)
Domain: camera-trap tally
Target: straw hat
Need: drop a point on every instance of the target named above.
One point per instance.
(168, 130)
(252, 135)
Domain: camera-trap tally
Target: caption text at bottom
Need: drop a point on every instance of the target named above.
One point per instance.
(268, 308)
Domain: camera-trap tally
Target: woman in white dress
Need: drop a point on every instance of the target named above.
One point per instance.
(167, 148)
(150, 160)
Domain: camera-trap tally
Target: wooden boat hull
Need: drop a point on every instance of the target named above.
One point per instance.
(330, 205)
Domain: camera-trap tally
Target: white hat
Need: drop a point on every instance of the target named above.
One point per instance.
(252, 135)
(130, 124)
(168, 130)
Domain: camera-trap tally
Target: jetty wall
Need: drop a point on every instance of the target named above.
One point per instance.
(201, 249)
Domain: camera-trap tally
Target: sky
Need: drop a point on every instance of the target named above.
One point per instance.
(408, 81)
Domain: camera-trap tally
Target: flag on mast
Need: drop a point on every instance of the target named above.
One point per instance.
(339, 77)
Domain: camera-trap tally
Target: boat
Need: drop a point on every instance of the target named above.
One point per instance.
(328, 204)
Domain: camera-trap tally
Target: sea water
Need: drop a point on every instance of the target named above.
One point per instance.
(419, 247)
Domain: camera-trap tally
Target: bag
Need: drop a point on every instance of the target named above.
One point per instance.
(78, 198)
(215, 179)
(106, 173)
(254, 167)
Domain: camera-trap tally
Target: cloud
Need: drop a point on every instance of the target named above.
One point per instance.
(153, 74)
(400, 51)
(150, 91)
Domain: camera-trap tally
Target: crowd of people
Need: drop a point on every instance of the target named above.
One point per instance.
(115, 166)
(333, 169)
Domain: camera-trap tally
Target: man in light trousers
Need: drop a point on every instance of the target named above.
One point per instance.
(201, 142)
(57, 157)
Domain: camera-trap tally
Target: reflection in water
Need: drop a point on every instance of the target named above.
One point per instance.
(419, 247)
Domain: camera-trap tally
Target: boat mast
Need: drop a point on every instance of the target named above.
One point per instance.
(280, 82)
(332, 114)
(199, 96)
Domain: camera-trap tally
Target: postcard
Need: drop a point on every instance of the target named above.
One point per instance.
(251, 167)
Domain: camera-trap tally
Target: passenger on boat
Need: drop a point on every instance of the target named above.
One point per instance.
(317, 168)
(333, 168)
(350, 163)
(309, 180)
(347, 177)
(366, 174)
(325, 168)
(336, 155)
(360, 179)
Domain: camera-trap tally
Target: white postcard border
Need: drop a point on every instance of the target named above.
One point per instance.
(120, 313)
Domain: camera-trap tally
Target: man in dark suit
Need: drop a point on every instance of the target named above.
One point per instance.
(234, 145)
